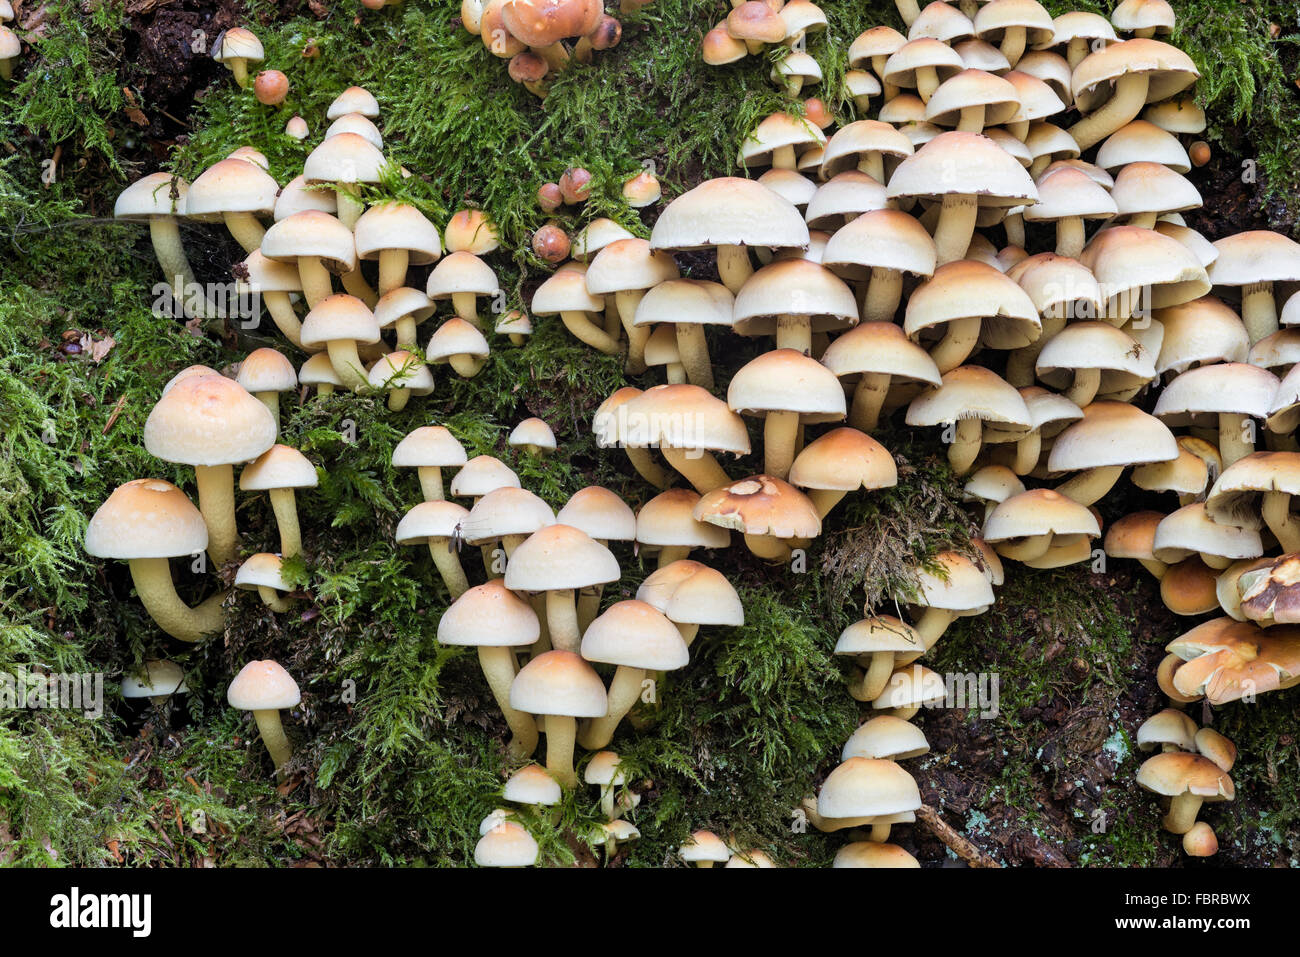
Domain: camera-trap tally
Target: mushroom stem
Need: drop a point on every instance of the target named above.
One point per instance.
(465, 305)
(1069, 236)
(217, 503)
(1236, 437)
(355, 283)
(350, 207)
(316, 281)
(1156, 567)
(1276, 511)
(971, 119)
(1091, 484)
(866, 685)
(1121, 109)
(1182, 813)
(157, 591)
(273, 600)
(908, 10)
(170, 252)
(958, 342)
(282, 314)
(499, 666)
(927, 81)
(560, 731)
(448, 564)
(239, 69)
(466, 366)
(273, 736)
(734, 266)
(286, 520)
(906, 713)
(688, 630)
(607, 802)
(637, 336)
(271, 400)
(932, 625)
(693, 349)
(780, 435)
(1084, 387)
(397, 399)
(589, 606)
(1027, 549)
(431, 483)
(248, 232)
(624, 692)
(884, 292)
(873, 164)
(347, 363)
(562, 620)
(767, 547)
(956, 226)
(966, 445)
(580, 324)
(825, 499)
(392, 269)
(1077, 51)
(1028, 451)
(405, 330)
(868, 399)
(1013, 47)
(1258, 311)
(672, 553)
(697, 466)
(794, 332)
(643, 461)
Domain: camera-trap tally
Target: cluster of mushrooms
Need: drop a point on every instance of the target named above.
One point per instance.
(1190, 770)
(532, 34)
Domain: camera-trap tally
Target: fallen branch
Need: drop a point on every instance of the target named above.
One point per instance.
(957, 842)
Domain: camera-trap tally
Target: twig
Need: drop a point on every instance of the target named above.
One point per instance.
(957, 842)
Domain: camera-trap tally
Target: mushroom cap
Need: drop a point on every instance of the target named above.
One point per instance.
(595, 236)
(471, 231)
(966, 289)
(400, 302)
(761, 505)
(481, 475)
(912, 687)
(560, 557)
(694, 301)
(994, 19)
(683, 417)
(1201, 331)
(860, 138)
(1167, 727)
(461, 271)
(429, 446)
(259, 274)
(354, 99)
(1142, 140)
(1181, 115)
(339, 317)
(565, 291)
(755, 21)
(345, 158)
(969, 392)
(880, 347)
(1200, 841)
(786, 380)
(1133, 536)
(874, 42)
(972, 88)
(263, 686)
(780, 130)
(560, 683)
(1190, 587)
(266, 370)
(208, 420)
(263, 570)
(969, 164)
(847, 194)
(1095, 345)
(871, 854)
(605, 769)
(1172, 773)
(704, 846)
(1257, 255)
(1039, 511)
(280, 466)
(1132, 15)
(691, 593)
(489, 616)
(634, 634)
(152, 196)
(1197, 466)
(297, 197)
(844, 459)
(456, 337)
(921, 53)
(668, 520)
(794, 287)
(1038, 98)
(397, 226)
(887, 737)
(1146, 187)
(1168, 70)
(532, 785)
(1227, 387)
(958, 584)
(311, 232)
(1216, 747)
(505, 511)
(514, 323)
(539, 23)
(362, 126)
(435, 519)
(1058, 286)
(1112, 434)
(884, 239)
(1070, 192)
(992, 484)
(1226, 660)
(600, 513)
(979, 55)
(867, 787)
(231, 186)
(237, 43)
(628, 264)
(1234, 498)
(506, 844)
(157, 678)
(318, 370)
(729, 211)
(790, 185)
(641, 190)
(1048, 139)
(146, 518)
(878, 633)
(532, 431)
(1128, 259)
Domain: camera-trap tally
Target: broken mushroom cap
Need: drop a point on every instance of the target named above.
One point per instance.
(763, 505)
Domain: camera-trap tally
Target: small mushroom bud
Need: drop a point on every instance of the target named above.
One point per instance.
(575, 185)
(549, 197)
(607, 33)
(527, 67)
(271, 87)
(373, 4)
(551, 244)
(1199, 153)
(297, 128)
(817, 113)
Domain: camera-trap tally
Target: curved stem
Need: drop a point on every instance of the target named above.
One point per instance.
(465, 305)
(499, 666)
(699, 468)
(248, 232)
(1121, 109)
(628, 300)
(624, 692)
(1028, 451)
(286, 520)
(958, 342)
(153, 583)
(356, 285)
(466, 366)
(448, 564)
(1084, 387)
(1276, 511)
(693, 349)
(884, 293)
(273, 736)
(868, 399)
(1091, 485)
(282, 314)
(643, 461)
(580, 324)
(347, 363)
(273, 600)
(217, 503)
(825, 499)
(966, 445)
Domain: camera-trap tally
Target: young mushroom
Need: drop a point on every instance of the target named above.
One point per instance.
(558, 560)
(235, 49)
(279, 470)
(265, 688)
(667, 523)
(437, 524)
(156, 680)
(562, 687)
(429, 449)
(401, 374)
(266, 373)
(533, 435)
(159, 199)
(340, 323)
(263, 573)
(704, 849)
(690, 595)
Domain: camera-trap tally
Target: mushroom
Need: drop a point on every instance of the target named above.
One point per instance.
(1189, 780)
(956, 588)
(506, 514)
(1067, 197)
(1110, 437)
(1145, 190)
(211, 423)
(609, 426)
(264, 688)
(889, 243)
(402, 374)
(605, 517)
(1232, 392)
(625, 269)
(605, 770)
(263, 279)
(921, 64)
(531, 785)
(773, 515)
(886, 737)
(159, 199)
(1199, 841)
(340, 323)
(237, 193)
(471, 231)
(688, 424)
(1190, 587)
(345, 161)
(364, 127)
(870, 788)
(1081, 32)
(971, 100)
(691, 595)
(532, 435)
(462, 277)
(235, 49)
(437, 524)
(1227, 660)
(516, 325)
(561, 686)
(878, 353)
(786, 387)
(1216, 747)
(687, 305)
(667, 522)
(783, 141)
(834, 205)
(398, 236)
(266, 373)
(263, 572)
(1256, 490)
(1135, 72)
(1133, 536)
(1026, 526)
(460, 344)
(1168, 730)
(557, 560)
(870, 854)
(908, 690)
(793, 299)
(566, 293)
(963, 297)
(991, 485)
(429, 449)
(494, 620)
(280, 470)
(319, 371)
(1254, 261)
(876, 643)
(704, 849)
(354, 99)
(156, 680)
(318, 244)
(967, 397)
(481, 475)
(506, 844)
(842, 461)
